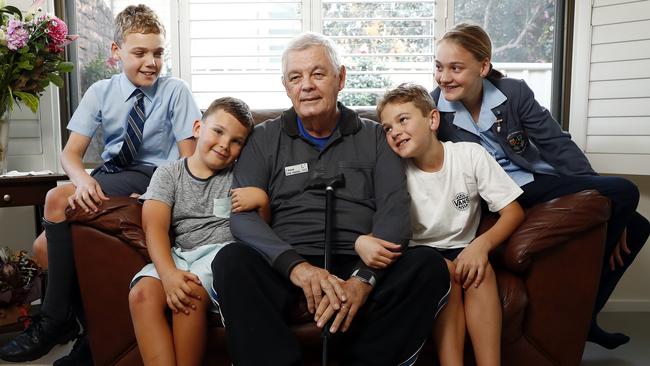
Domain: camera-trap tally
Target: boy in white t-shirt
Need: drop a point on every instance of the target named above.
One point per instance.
(446, 182)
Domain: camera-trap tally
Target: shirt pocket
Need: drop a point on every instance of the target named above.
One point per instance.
(221, 207)
(359, 179)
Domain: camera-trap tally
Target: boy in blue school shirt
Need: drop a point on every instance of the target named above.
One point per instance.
(147, 121)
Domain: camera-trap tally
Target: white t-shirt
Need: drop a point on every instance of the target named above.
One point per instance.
(446, 205)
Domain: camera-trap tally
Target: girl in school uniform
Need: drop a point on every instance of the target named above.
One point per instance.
(477, 103)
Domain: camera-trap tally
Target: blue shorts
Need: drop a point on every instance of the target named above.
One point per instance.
(197, 261)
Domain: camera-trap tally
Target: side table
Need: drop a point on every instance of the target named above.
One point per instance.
(28, 191)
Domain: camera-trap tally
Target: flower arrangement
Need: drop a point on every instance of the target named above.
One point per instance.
(31, 54)
(19, 281)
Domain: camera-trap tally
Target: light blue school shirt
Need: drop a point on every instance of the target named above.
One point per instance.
(170, 113)
(492, 97)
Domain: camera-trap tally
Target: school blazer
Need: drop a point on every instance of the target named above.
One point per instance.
(527, 131)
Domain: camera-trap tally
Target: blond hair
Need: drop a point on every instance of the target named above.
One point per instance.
(475, 40)
(407, 92)
(136, 19)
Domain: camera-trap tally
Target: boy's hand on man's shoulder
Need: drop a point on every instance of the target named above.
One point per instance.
(248, 199)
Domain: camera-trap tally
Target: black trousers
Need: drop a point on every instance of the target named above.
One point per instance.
(624, 198)
(391, 327)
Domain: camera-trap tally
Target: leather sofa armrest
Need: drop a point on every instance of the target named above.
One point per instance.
(120, 217)
(552, 223)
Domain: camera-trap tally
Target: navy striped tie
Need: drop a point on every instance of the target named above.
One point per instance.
(132, 137)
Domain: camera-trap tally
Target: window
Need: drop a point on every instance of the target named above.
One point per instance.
(234, 47)
(382, 43)
(522, 33)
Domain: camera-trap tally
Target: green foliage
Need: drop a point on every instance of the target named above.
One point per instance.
(398, 39)
(96, 69)
(30, 100)
(373, 80)
(521, 30)
(401, 33)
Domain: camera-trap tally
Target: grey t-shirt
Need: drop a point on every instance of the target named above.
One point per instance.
(200, 207)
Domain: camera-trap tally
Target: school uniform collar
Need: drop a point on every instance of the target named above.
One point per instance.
(348, 123)
(492, 98)
(127, 88)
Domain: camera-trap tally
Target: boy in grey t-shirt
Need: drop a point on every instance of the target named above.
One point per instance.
(190, 197)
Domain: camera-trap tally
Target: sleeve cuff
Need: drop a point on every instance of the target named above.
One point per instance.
(285, 262)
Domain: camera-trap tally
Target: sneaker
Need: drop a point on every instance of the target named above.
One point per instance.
(39, 338)
(79, 355)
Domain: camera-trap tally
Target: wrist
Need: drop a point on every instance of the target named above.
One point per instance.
(365, 276)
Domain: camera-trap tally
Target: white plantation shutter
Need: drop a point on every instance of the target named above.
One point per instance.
(610, 99)
(234, 47)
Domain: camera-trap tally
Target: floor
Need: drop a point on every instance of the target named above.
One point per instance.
(635, 353)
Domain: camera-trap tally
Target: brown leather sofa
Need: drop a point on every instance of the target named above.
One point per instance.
(547, 272)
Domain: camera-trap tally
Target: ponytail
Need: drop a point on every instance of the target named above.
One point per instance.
(494, 74)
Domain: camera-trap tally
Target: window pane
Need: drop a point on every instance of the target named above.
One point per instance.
(382, 43)
(522, 34)
(235, 49)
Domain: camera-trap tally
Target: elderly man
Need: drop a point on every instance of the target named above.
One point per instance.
(271, 266)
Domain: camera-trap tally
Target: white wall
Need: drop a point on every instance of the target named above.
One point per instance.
(610, 94)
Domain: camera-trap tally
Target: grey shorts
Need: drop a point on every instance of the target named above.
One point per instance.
(134, 179)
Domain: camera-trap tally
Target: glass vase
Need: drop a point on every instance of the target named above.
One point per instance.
(4, 140)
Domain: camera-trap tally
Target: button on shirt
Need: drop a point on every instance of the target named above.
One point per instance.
(492, 97)
(170, 112)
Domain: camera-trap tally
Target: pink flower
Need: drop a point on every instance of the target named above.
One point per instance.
(57, 30)
(17, 36)
(111, 62)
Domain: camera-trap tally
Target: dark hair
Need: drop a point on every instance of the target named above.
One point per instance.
(476, 41)
(407, 92)
(136, 19)
(233, 106)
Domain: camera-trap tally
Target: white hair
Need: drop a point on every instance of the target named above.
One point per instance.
(310, 39)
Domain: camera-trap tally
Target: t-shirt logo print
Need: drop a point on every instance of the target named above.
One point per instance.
(461, 201)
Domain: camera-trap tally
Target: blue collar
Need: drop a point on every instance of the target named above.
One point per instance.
(321, 142)
(127, 88)
(492, 97)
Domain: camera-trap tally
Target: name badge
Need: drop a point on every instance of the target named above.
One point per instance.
(296, 169)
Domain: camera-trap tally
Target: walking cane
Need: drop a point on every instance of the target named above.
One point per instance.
(329, 184)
